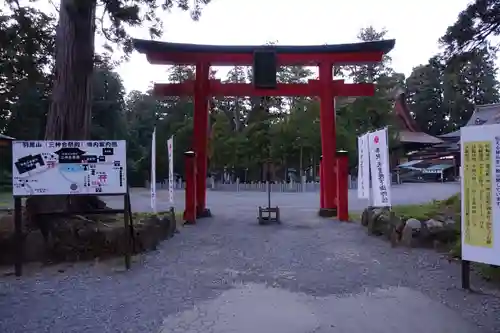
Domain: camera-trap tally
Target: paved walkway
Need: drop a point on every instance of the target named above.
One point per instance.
(227, 274)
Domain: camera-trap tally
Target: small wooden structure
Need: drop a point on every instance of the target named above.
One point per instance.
(269, 215)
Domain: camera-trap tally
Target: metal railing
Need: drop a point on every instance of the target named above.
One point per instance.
(292, 186)
(238, 186)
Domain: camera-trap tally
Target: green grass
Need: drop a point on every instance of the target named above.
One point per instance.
(423, 211)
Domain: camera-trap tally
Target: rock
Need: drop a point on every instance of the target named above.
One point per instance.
(450, 222)
(443, 232)
(411, 232)
(150, 231)
(367, 212)
(414, 224)
(80, 238)
(441, 217)
(34, 247)
(378, 221)
(407, 235)
(430, 233)
(394, 229)
(34, 244)
(433, 224)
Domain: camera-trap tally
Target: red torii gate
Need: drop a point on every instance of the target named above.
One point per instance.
(323, 56)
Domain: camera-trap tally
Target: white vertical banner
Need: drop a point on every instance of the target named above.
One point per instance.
(153, 171)
(379, 167)
(363, 168)
(170, 148)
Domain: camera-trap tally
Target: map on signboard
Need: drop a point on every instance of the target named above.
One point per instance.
(68, 167)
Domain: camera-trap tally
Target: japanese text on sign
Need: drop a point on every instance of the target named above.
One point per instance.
(363, 167)
(380, 176)
(477, 194)
(497, 171)
(69, 144)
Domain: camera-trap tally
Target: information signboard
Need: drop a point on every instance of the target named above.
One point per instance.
(480, 150)
(69, 167)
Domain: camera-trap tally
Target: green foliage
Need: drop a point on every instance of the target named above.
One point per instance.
(114, 17)
(443, 96)
(244, 131)
(26, 47)
(468, 72)
(474, 26)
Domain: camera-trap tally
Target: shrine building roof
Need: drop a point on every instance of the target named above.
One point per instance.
(483, 115)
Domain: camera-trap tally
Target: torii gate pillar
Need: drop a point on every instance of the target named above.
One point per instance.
(200, 130)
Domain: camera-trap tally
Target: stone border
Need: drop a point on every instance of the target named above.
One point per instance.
(83, 238)
(410, 232)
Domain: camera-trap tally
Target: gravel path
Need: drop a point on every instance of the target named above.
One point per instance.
(306, 256)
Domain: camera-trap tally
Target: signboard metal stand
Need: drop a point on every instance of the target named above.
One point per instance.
(18, 234)
(466, 274)
(69, 169)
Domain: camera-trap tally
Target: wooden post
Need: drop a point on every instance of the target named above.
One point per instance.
(127, 230)
(19, 239)
(342, 185)
(200, 132)
(328, 138)
(190, 210)
(321, 184)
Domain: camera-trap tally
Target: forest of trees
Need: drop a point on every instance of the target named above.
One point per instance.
(35, 83)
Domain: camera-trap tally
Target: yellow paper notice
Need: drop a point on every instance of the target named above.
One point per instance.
(477, 194)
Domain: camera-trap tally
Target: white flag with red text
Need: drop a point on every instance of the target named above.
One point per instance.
(378, 146)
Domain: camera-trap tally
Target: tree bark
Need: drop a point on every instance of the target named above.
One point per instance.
(70, 112)
(69, 116)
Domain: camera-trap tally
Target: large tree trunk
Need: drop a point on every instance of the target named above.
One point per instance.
(70, 112)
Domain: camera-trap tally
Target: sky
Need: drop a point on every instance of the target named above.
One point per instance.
(416, 26)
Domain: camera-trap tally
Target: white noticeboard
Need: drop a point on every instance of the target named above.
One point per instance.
(170, 148)
(379, 167)
(363, 168)
(480, 150)
(69, 167)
